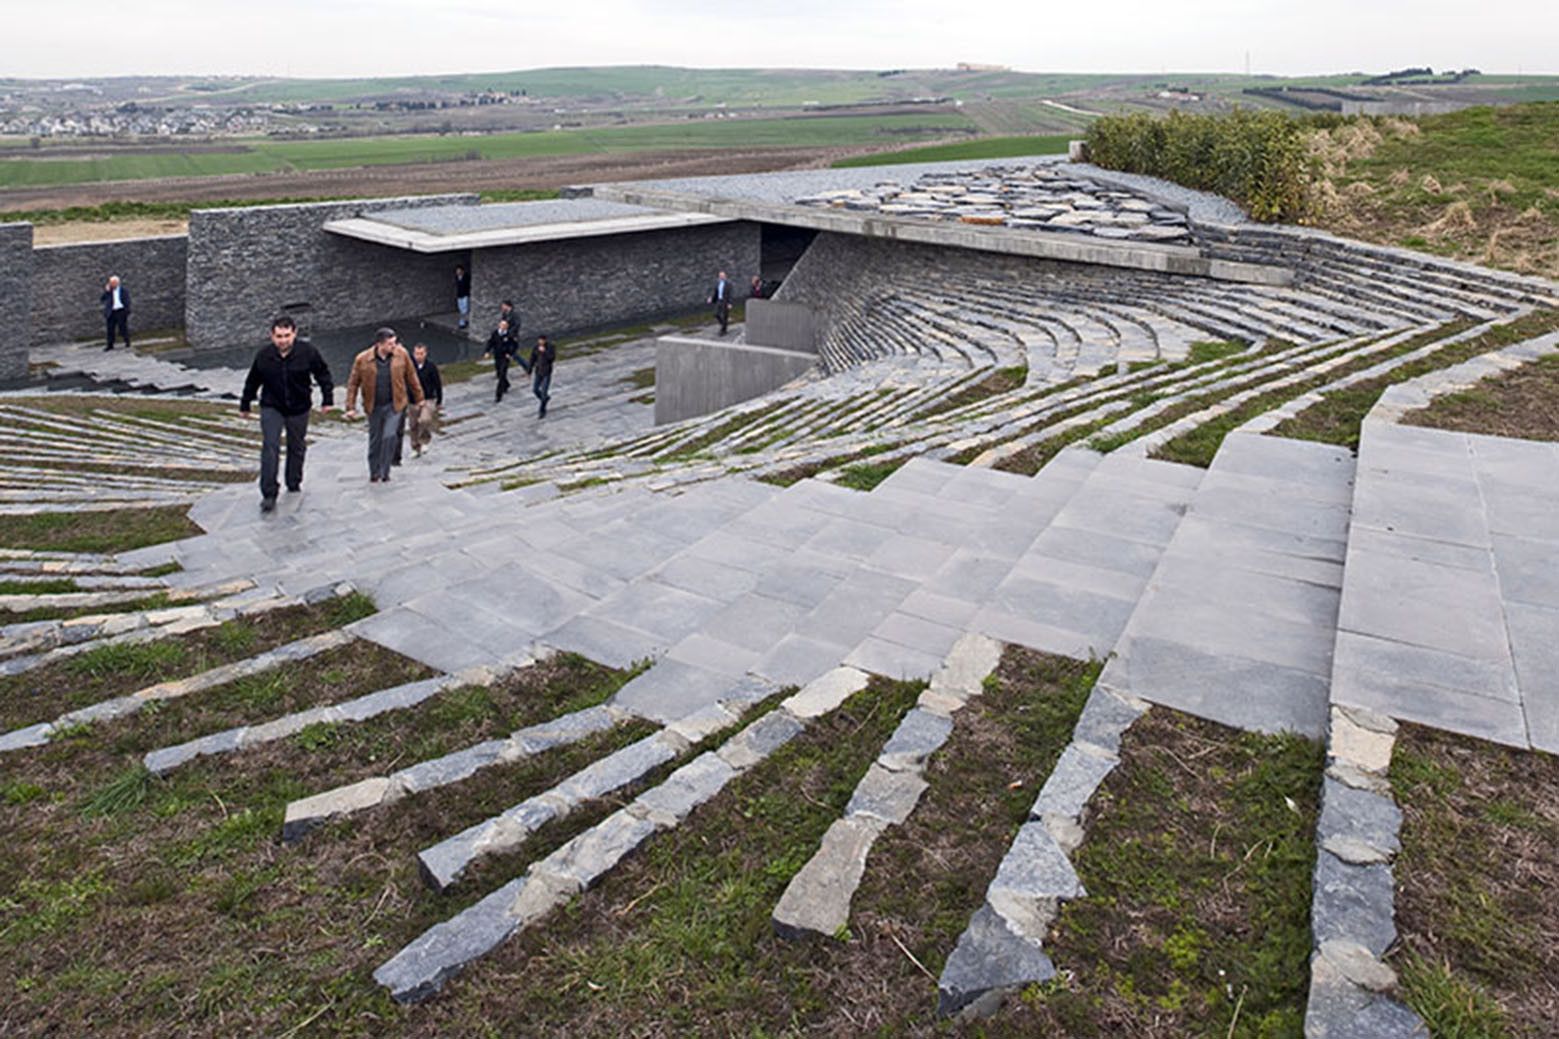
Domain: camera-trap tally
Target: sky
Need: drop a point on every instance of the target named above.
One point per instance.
(326, 38)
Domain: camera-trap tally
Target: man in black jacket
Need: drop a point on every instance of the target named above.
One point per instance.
(116, 310)
(280, 374)
(502, 346)
(540, 367)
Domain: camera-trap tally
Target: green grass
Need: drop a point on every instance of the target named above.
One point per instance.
(271, 156)
(980, 148)
(1338, 417)
(1196, 920)
(112, 531)
(867, 475)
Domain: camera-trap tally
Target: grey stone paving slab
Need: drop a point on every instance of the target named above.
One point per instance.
(817, 900)
(583, 860)
(409, 633)
(1408, 664)
(969, 575)
(1204, 623)
(754, 621)
(672, 689)
(1039, 565)
(1065, 606)
(1096, 548)
(712, 654)
(892, 659)
(1033, 874)
(1076, 775)
(886, 795)
(687, 788)
(669, 614)
(602, 641)
(1009, 627)
(1432, 705)
(797, 660)
(942, 610)
(1247, 694)
(1353, 902)
(989, 961)
(1439, 513)
(760, 739)
(1527, 573)
(1536, 655)
(918, 736)
(904, 555)
(715, 580)
(419, 970)
(1445, 608)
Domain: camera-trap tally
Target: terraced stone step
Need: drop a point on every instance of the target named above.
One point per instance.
(419, 970)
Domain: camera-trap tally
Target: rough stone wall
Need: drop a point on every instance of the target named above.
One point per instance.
(68, 280)
(247, 265)
(15, 299)
(576, 283)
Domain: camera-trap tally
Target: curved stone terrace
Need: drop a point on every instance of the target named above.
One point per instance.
(984, 465)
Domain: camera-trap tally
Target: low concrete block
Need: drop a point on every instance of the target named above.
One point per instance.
(824, 694)
(1072, 782)
(919, 735)
(886, 795)
(686, 789)
(584, 859)
(760, 739)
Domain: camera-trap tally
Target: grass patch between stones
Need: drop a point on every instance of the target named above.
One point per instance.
(1477, 921)
(119, 668)
(1198, 864)
(111, 530)
(1522, 403)
(1338, 416)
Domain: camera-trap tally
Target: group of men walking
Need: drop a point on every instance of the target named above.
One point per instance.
(401, 394)
(504, 347)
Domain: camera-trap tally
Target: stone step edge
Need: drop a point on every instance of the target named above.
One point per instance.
(123, 706)
(443, 864)
(1353, 900)
(395, 698)
(1002, 949)
(58, 640)
(419, 970)
(817, 899)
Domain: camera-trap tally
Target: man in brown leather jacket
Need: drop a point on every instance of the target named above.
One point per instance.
(388, 380)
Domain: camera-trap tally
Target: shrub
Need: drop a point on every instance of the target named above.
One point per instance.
(1258, 159)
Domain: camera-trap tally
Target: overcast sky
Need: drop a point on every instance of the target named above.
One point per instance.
(309, 38)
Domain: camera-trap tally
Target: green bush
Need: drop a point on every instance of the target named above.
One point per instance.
(1258, 159)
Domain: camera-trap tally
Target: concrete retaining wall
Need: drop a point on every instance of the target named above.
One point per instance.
(68, 280)
(789, 326)
(564, 286)
(696, 376)
(247, 265)
(15, 299)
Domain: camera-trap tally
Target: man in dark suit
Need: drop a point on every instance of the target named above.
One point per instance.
(116, 310)
(721, 298)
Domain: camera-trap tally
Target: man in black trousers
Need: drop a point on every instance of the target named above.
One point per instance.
(540, 367)
(502, 346)
(721, 298)
(280, 374)
(116, 311)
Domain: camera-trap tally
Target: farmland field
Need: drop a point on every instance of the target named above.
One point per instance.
(265, 156)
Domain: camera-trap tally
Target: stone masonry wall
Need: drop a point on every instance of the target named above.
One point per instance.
(578, 283)
(246, 265)
(15, 299)
(68, 280)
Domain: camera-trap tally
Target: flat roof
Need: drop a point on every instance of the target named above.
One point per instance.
(440, 229)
